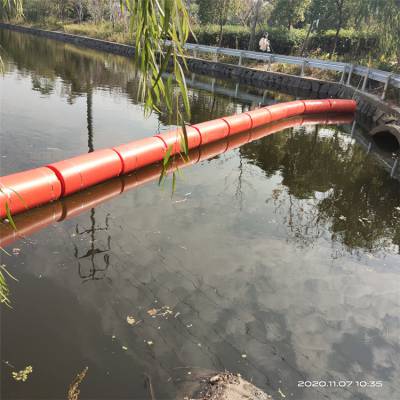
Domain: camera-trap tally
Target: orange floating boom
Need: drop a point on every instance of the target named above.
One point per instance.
(29, 189)
(39, 218)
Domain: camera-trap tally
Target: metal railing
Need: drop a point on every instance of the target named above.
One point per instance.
(366, 73)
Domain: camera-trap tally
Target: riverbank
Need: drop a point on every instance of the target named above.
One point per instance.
(352, 44)
(371, 110)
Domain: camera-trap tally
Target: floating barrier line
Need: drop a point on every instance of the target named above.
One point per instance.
(29, 189)
(71, 206)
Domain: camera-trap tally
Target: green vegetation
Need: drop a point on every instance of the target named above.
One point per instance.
(4, 290)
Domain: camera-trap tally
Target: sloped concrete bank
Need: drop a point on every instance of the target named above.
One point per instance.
(371, 110)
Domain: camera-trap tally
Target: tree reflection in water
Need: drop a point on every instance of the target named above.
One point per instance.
(327, 180)
(95, 271)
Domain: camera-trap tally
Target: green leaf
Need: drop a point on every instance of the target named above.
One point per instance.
(173, 183)
(10, 217)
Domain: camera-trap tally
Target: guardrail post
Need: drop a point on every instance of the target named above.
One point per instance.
(343, 74)
(350, 73)
(236, 90)
(353, 128)
(364, 86)
(240, 58)
(393, 171)
(270, 63)
(303, 66)
(212, 85)
(386, 87)
(216, 55)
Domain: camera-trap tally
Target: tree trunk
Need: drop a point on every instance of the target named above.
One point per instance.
(339, 4)
(221, 30)
(223, 17)
(306, 40)
(257, 8)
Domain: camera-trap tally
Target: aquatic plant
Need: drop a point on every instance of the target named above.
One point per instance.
(4, 290)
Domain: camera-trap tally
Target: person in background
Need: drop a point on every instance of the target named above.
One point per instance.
(264, 43)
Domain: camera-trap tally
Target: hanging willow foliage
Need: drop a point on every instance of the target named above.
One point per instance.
(160, 28)
(152, 23)
(14, 7)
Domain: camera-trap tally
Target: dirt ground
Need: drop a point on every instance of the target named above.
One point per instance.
(227, 386)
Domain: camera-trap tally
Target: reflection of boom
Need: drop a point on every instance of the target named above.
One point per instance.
(71, 206)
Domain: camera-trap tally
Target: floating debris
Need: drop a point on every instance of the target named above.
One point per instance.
(16, 251)
(214, 379)
(74, 391)
(244, 355)
(150, 343)
(130, 320)
(160, 312)
(152, 312)
(124, 348)
(23, 374)
(281, 393)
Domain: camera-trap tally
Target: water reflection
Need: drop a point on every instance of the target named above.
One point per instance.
(89, 117)
(328, 180)
(97, 265)
(265, 251)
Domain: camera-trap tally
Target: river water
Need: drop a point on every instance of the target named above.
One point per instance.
(278, 260)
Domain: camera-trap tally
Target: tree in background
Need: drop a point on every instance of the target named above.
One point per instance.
(218, 12)
(340, 4)
(384, 17)
(206, 11)
(80, 7)
(256, 9)
(289, 13)
(324, 11)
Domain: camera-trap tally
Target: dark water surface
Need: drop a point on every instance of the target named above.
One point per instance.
(279, 260)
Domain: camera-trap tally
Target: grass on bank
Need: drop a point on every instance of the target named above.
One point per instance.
(353, 46)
